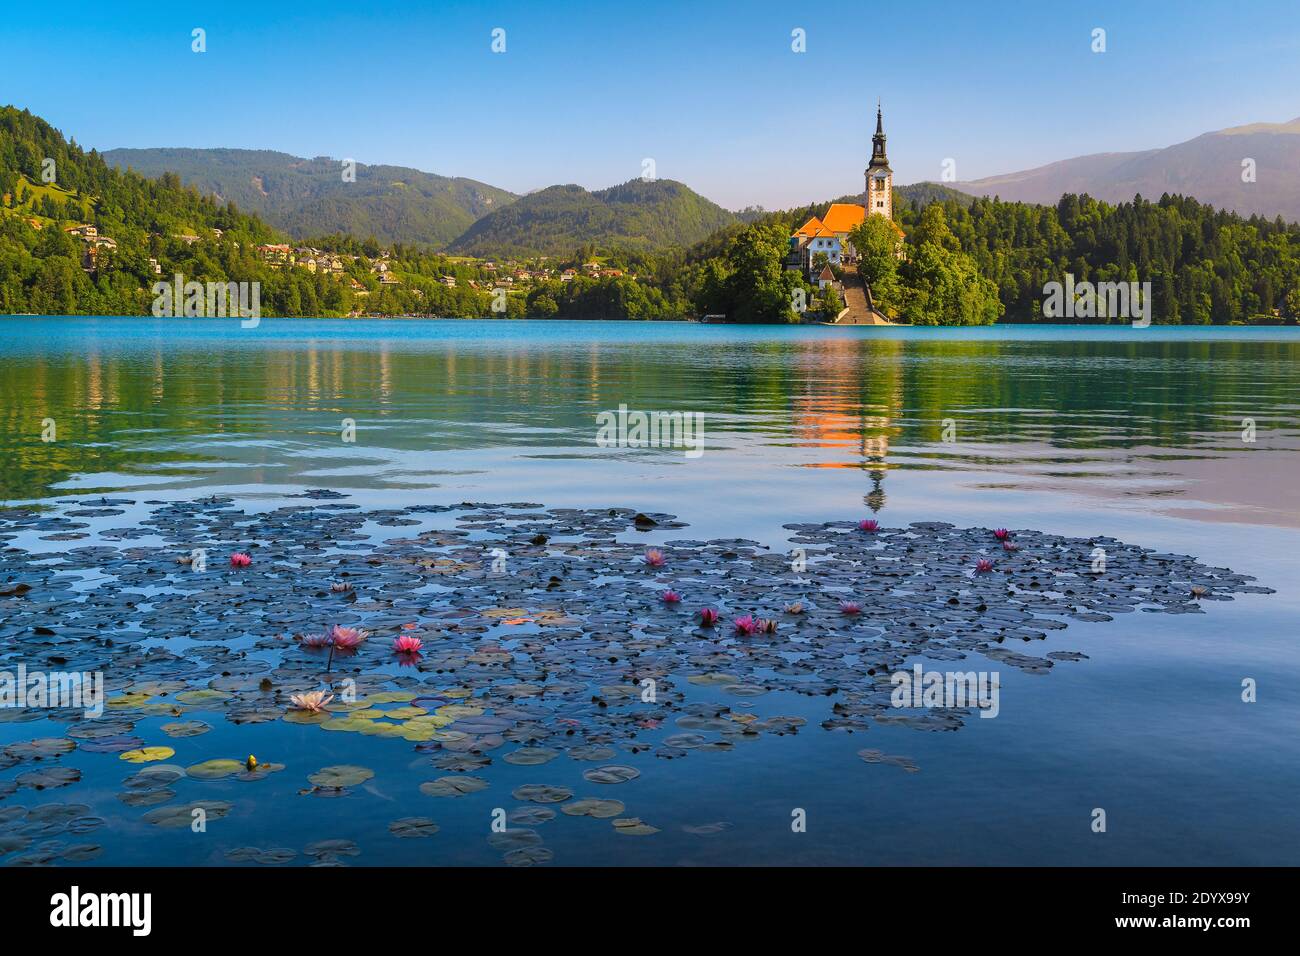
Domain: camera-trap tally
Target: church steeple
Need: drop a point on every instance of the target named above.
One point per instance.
(878, 158)
(879, 196)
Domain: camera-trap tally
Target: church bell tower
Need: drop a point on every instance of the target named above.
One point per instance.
(879, 198)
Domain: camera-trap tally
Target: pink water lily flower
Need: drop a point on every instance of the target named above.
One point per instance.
(316, 640)
(654, 558)
(407, 644)
(1010, 546)
(347, 638)
(313, 701)
(745, 626)
(708, 617)
(240, 559)
(868, 524)
(850, 607)
(983, 566)
(671, 597)
(1002, 534)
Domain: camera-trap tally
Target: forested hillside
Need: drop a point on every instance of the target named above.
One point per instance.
(312, 197)
(636, 215)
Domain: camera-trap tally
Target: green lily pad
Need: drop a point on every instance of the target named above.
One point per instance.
(594, 807)
(408, 827)
(48, 778)
(452, 786)
(215, 769)
(632, 826)
(611, 773)
(202, 696)
(182, 815)
(40, 748)
(340, 776)
(147, 754)
(528, 856)
(541, 793)
(185, 728)
(531, 756)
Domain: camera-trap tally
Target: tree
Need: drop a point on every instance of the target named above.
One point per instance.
(878, 243)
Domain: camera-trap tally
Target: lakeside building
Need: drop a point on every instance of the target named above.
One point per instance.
(829, 233)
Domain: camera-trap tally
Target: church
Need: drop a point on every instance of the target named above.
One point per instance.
(829, 234)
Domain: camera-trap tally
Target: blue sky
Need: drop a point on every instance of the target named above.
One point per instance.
(711, 91)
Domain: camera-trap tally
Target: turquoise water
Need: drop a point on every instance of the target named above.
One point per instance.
(1131, 433)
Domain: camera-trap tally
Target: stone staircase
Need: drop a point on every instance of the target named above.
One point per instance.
(858, 309)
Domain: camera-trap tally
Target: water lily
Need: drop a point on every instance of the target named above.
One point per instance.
(654, 558)
(1002, 534)
(868, 524)
(850, 607)
(983, 566)
(745, 626)
(708, 617)
(347, 638)
(671, 597)
(316, 640)
(241, 559)
(1199, 591)
(313, 700)
(407, 644)
(766, 625)
(1010, 546)
(795, 608)
(340, 587)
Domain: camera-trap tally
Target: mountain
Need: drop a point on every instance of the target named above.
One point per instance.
(924, 193)
(1208, 168)
(556, 220)
(309, 197)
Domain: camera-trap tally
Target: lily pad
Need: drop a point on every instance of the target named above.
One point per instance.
(452, 786)
(340, 776)
(611, 773)
(147, 754)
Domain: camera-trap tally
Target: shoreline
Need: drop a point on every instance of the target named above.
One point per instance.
(682, 321)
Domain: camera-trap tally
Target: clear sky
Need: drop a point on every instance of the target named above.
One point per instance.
(711, 91)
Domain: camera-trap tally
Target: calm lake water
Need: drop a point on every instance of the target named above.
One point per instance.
(1135, 434)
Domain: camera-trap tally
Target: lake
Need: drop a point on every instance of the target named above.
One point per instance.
(1181, 440)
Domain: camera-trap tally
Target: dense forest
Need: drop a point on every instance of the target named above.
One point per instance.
(961, 260)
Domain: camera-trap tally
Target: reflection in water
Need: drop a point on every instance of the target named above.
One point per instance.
(201, 404)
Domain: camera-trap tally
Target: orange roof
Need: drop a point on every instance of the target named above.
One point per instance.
(843, 216)
(812, 229)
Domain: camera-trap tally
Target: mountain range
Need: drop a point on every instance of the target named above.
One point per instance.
(1209, 168)
(310, 197)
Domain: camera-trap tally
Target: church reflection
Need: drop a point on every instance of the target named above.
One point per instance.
(851, 399)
